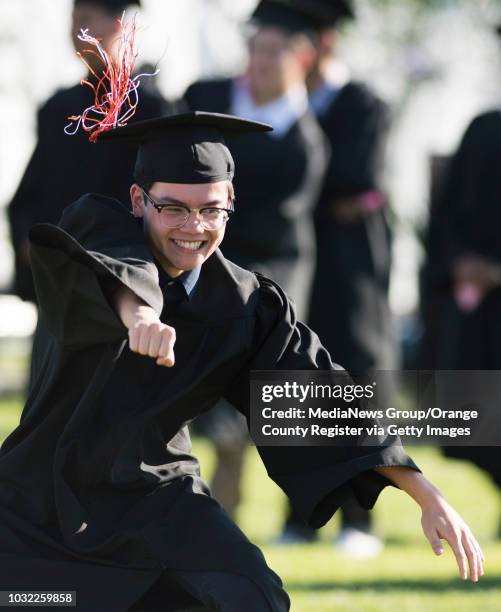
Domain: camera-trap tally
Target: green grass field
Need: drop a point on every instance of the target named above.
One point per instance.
(405, 577)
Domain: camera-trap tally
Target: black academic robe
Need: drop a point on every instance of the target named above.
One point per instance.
(277, 182)
(99, 491)
(467, 220)
(63, 167)
(349, 305)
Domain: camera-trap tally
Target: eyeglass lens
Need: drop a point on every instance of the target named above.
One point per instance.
(211, 218)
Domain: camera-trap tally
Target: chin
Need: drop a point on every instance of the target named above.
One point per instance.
(187, 263)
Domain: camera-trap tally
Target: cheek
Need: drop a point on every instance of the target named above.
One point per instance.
(152, 230)
(216, 239)
(284, 67)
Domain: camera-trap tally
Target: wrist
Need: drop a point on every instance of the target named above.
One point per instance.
(131, 309)
(426, 495)
(140, 313)
(417, 486)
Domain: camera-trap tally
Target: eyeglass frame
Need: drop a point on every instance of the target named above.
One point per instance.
(159, 207)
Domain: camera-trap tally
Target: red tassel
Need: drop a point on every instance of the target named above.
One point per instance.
(116, 92)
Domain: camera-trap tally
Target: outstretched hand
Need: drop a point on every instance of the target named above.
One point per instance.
(441, 522)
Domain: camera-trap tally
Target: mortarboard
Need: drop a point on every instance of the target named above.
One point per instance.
(326, 13)
(302, 15)
(284, 14)
(188, 148)
(113, 6)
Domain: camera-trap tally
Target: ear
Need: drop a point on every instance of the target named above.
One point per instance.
(308, 58)
(137, 200)
(305, 51)
(327, 41)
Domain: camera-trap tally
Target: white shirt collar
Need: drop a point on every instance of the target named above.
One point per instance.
(324, 95)
(281, 113)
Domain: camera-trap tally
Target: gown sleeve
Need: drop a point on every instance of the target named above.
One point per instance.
(317, 479)
(77, 264)
(357, 141)
(466, 198)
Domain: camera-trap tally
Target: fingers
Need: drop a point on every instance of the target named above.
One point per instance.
(443, 522)
(472, 556)
(459, 553)
(166, 349)
(464, 548)
(475, 556)
(434, 540)
(155, 340)
(167, 362)
(468, 554)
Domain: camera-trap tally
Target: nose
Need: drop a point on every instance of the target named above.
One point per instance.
(194, 223)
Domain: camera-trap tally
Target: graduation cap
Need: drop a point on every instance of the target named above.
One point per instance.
(283, 14)
(303, 16)
(326, 13)
(188, 148)
(113, 6)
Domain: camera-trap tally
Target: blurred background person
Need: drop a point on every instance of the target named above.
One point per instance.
(276, 187)
(64, 167)
(462, 274)
(349, 306)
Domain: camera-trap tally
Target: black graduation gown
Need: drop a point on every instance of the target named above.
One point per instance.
(467, 220)
(63, 167)
(434, 290)
(277, 183)
(97, 484)
(349, 306)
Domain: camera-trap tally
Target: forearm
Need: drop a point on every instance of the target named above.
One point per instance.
(412, 482)
(130, 308)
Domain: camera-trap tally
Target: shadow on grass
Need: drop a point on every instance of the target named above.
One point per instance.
(389, 542)
(487, 583)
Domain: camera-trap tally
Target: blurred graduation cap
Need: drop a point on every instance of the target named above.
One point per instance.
(285, 15)
(326, 13)
(301, 16)
(188, 148)
(112, 6)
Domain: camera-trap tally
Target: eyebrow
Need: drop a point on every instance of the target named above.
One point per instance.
(169, 200)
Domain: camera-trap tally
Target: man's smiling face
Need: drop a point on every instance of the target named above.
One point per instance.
(182, 248)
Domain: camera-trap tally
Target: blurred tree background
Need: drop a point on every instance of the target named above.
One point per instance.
(437, 62)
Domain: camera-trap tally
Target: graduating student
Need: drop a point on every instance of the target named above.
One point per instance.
(349, 303)
(63, 168)
(150, 325)
(464, 266)
(281, 173)
(277, 187)
(353, 260)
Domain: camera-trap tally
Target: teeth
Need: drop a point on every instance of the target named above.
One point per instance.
(193, 246)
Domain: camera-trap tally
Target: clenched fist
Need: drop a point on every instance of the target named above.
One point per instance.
(147, 334)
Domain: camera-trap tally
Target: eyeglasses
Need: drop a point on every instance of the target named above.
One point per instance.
(176, 215)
